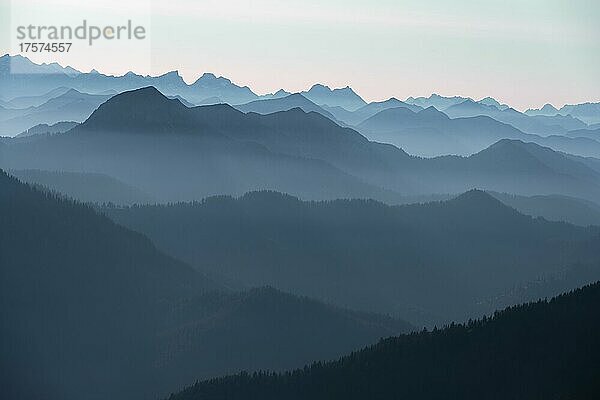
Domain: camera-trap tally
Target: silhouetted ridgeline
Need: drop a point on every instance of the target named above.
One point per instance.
(68, 106)
(296, 100)
(177, 153)
(554, 208)
(538, 351)
(428, 263)
(431, 132)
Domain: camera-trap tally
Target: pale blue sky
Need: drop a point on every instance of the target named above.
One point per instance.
(525, 53)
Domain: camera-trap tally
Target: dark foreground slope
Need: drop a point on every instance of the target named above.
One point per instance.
(263, 328)
(544, 350)
(81, 298)
(91, 310)
(434, 262)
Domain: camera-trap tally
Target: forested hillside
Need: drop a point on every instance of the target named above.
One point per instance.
(537, 351)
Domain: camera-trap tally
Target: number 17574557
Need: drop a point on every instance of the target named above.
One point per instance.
(39, 47)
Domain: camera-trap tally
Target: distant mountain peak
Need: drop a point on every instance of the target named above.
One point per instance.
(549, 107)
(507, 143)
(209, 77)
(490, 101)
(474, 194)
(140, 109)
(476, 199)
(342, 97)
(319, 86)
(347, 89)
(142, 97)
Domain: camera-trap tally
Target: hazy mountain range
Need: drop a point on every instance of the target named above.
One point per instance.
(173, 152)
(586, 112)
(155, 233)
(36, 84)
(431, 132)
(369, 256)
(69, 106)
(538, 124)
(30, 79)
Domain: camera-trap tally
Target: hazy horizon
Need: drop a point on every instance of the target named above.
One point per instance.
(525, 54)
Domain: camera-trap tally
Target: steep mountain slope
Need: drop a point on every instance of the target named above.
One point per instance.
(72, 290)
(429, 263)
(91, 310)
(543, 350)
(263, 329)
